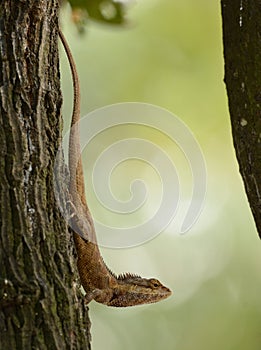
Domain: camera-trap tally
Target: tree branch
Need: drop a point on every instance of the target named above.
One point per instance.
(242, 53)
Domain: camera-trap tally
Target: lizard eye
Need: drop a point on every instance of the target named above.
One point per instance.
(155, 283)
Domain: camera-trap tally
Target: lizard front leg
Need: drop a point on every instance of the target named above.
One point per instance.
(102, 296)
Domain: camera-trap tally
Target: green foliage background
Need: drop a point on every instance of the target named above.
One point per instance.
(169, 53)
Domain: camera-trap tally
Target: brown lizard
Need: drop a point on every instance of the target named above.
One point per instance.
(98, 281)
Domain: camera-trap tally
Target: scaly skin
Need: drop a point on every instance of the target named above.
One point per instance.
(97, 280)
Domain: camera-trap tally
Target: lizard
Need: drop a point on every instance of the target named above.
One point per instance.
(98, 281)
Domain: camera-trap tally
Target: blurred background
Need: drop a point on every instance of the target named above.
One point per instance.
(170, 54)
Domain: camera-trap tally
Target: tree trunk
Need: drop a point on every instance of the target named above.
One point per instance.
(242, 52)
(40, 303)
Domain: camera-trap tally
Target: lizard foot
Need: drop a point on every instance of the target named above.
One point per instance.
(91, 295)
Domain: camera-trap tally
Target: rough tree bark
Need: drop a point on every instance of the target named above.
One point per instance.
(242, 52)
(40, 303)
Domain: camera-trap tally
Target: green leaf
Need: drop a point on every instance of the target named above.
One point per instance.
(107, 11)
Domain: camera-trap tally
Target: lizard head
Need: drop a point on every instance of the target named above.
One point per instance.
(135, 290)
